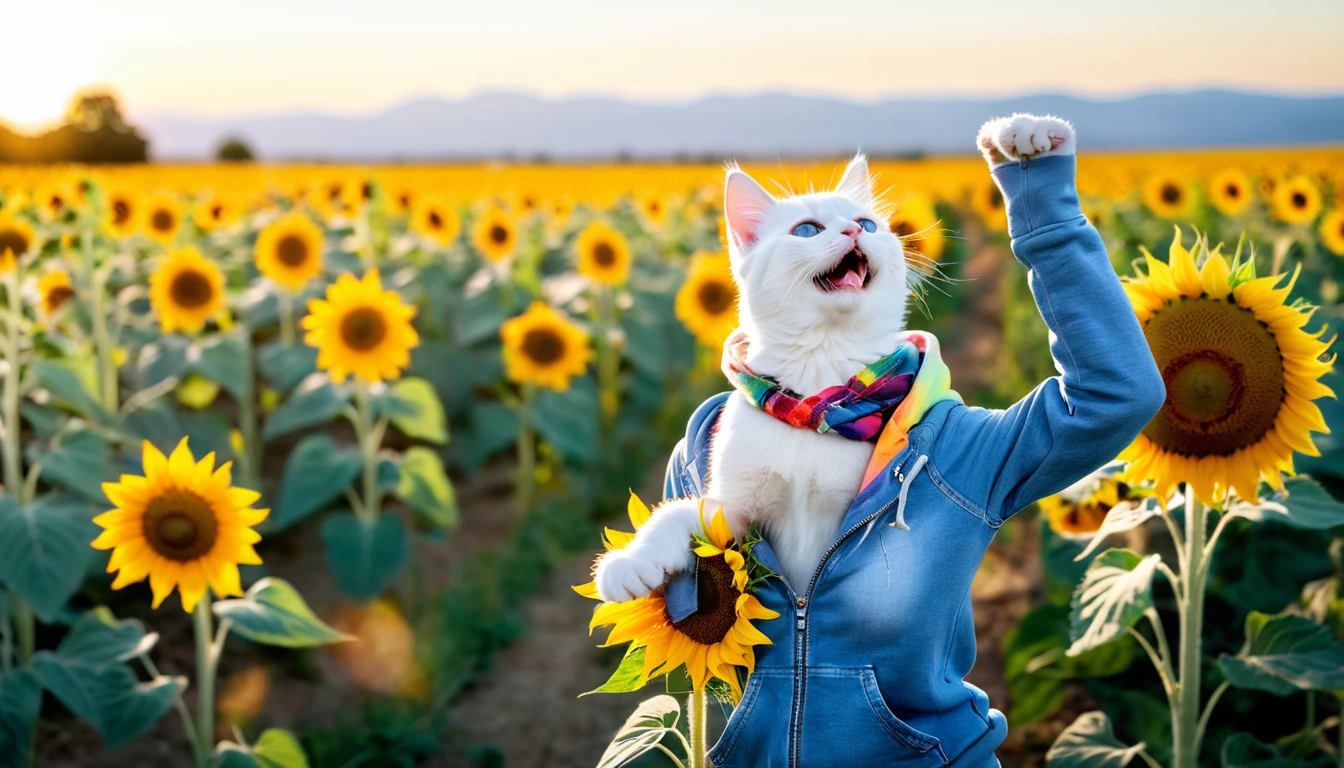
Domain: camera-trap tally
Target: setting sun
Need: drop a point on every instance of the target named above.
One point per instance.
(35, 86)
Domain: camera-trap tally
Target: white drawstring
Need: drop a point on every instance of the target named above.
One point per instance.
(906, 481)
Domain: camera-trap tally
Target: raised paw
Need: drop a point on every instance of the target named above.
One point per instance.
(621, 576)
(1025, 137)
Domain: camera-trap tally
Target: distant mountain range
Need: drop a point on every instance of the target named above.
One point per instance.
(503, 124)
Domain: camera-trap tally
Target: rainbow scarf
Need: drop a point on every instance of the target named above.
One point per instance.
(882, 401)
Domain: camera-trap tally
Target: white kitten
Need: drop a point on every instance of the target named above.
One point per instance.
(806, 334)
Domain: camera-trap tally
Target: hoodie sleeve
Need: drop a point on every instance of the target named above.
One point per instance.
(1109, 387)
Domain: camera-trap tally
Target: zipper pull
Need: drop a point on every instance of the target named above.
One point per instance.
(802, 613)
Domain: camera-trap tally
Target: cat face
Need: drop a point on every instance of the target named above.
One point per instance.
(814, 262)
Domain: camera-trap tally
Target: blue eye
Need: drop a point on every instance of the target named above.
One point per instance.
(868, 225)
(806, 229)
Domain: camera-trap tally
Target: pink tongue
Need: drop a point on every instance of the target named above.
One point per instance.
(850, 279)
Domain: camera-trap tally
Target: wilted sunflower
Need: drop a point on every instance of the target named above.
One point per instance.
(494, 234)
(1297, 200)
(1332, 231)
(542, 347)
(1230, 192)
(1080, 509)
(54, 289)
(163, 218)
(186, 290)
(289, 250)
(183, 525)
(987, 201)
(711, 642)
(707, 302)
(121, 217)
(435, 219)
(1240, 375)
(1167, 195)
(17, 238)
(916, 222)
(604, 254)
(361, 329)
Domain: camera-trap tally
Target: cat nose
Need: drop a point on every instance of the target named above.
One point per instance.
(851, 229)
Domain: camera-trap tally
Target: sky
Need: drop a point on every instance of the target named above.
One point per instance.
(248, 57)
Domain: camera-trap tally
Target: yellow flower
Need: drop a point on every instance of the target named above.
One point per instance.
(558, 211)
(494, 234)
(436, 220)
(55, 289)
(17, 238)
(987, 201)
(1167, 195)
(1080, 509)
(707, 302)
(604, 254)
(542, 347)
(1296, 200)
(1230, 192)
(653, 208)
(289, 250)
(186, 291)
(121, 214)
(361, 329)
(711, 642)
(1240, 373)
(916, 223)
(1332, 231)
(163, 218)
(182, 524)
(215, 212)
(53, 199)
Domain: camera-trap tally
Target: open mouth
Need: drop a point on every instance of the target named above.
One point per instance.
(850, 273)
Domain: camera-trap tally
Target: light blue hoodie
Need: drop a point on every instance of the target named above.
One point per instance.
(869, 660)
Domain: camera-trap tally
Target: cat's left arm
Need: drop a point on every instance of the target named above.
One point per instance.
(1109, 387)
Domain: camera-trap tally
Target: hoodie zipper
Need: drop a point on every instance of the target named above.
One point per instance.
(800, 637)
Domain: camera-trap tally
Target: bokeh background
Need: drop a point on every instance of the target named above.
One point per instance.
(463, 149)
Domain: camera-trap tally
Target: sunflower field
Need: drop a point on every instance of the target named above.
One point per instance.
(289, 451)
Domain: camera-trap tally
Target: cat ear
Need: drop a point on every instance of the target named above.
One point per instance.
(856, 184)
(745, 205)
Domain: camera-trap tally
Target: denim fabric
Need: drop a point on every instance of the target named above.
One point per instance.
(868, 661)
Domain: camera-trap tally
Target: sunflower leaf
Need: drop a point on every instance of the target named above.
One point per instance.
(317, 472)
(629, 674)
(1113, 595)
(1124, 516)
(20, 700)
(100, 638)
(277, 748)
(70, 385)
(1090, 743)
(365, 559)
(425, 486)
(423, 416)
(314, 403)
(274, 613)
(284, 367)
(109, 696)
(1242, 750)
(642, 731)
(38, 543)
(568, 420)
(80, 460)
(224, 360)
(1286, 654)
(1302, 503)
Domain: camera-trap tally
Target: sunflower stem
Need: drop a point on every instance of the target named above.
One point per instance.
(697, 705)
(286, 317)
(527, 448)
(369, 440)
(609, 362)
(24, 626)
(96, 281)
(1185, 715)
(247, 419)
(207, 660)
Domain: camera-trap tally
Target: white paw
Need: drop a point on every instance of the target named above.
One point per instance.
(621, 576)
(1025, 137)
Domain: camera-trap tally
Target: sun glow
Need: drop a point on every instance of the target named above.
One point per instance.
(36, 86)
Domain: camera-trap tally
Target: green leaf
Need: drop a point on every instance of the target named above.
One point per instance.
(1124, 516)
(160, 360)
(642, 731)
(80, 460)
(277, 748)
(494, 427)
(629, 674)
(1037, 667)
(423, 416)
(20, 701)
(109, 696)
(100, 638)
(314, 403)
(197, 391)
(1286, 654)
(1115, 592)
(285, 367)
(42, 550)
(67, 385)
(1303, 503)
(274, 613)
(365, 559)
(318, 472)
(568, 420)
(645, 343)
(1090, 743)
(1242, 750)
(224, 360)
(425, 486)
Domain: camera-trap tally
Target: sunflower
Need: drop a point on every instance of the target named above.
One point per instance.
(542, 347)
(987, 201)
(494, 234)
(163, 217)
(436, 220)
(1230, 192)
(55, 289)
(653, 208)
(604, 254)
(1240, 373)
(1332, 231)
(122, 215)
(1080, 509)
(54, 199)
(1167, 195)
(214, 212)
(17, 238)
(183, 525)
(558, 211)
(186, 290)
(916, 223)
(707, 302)
(713, 640)
(289, 250)
(361, 329)
(1297, 200)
